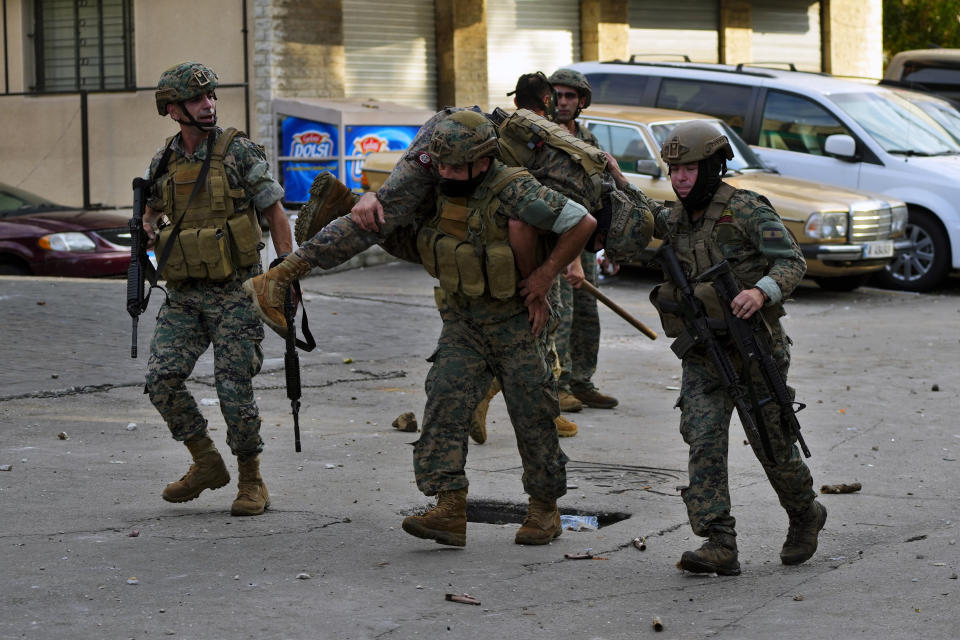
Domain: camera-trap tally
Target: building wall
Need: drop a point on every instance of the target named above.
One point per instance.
(296, 49)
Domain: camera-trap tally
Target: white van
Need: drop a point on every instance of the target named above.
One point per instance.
(824, 129)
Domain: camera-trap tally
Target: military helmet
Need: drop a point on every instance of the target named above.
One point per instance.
(462, 138)
(692, 141)
(575, 79)
(182, 82)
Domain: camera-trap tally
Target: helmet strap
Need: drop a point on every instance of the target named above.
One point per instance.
(193, 121)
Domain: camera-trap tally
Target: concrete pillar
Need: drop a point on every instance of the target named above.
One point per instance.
(736, 30)
(853, 37)
(297, 52)
(604, 30)
(462, 52)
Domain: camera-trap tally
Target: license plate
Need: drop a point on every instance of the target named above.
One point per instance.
(878, 249)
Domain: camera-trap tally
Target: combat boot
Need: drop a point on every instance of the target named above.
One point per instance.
(594, 399)
(329, 199)
(269, 290)
(446, 523)
(206, 472)
(565, 428)
(478, 423)
(717, 555)
(252, 495)
(542, 523)
(569, 402)
(801, 541)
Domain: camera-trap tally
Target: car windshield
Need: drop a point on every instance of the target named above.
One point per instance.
(942, 111)
(898, 125)
(15, 202)
(743, 157)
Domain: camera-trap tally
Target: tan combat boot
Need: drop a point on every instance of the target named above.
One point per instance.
(542, 523)
(596, 400)
(801, 541)
(569, 402)
(446, 523)
(329, 199)
(206, 472)
(252, 495)
(269, 290)
(565, 428)
(717, 555)
(478, 423)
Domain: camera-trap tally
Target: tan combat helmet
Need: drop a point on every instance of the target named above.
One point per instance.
(462, 138)
(692, 141)
(182, 82)
(575, 79)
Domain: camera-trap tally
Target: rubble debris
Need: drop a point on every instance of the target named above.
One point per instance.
(63, 435)
(640, 543)
(462, 598)
(406, 422)
(841, 488)
(657, 623)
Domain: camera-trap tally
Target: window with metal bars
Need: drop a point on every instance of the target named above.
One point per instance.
(83, 45)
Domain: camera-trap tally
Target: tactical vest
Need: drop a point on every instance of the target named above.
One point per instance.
(213, 240)
(523, 132)
(466, 246)
(697, 250)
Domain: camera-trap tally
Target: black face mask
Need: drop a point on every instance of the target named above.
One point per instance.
(709, 174)
(461, 188)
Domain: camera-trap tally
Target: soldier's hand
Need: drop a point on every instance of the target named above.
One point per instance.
(368, 212)
(539, 315)
(574, 274)
(535, 286)
(747, 302)
(613, 168)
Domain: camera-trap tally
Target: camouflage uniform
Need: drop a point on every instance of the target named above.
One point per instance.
(577, 336)
(763, 254)
(198, 312)
(484, 337)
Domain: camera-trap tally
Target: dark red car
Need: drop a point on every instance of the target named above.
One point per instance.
(39, 237)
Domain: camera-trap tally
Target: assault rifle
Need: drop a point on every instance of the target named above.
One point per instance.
(140, 268)
(291, 364)
(751, 340)
(701, 332)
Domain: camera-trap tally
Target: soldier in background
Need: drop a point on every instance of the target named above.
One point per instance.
(208, 241)
(712, 222)
(577, 336)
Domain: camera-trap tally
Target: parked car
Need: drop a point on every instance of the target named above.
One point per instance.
(934, 70)
(844, 235)
(824, 129)
(39, 237)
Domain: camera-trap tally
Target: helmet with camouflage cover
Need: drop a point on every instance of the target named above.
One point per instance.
(462, 138)
(575, 79)
(693, 141)
(182, 82)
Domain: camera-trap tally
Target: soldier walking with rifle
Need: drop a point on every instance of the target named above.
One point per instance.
(730, 262)
(201, 199)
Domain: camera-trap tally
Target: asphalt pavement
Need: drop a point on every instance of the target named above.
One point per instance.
(90, 551)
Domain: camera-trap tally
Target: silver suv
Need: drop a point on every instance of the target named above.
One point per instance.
(825, 129)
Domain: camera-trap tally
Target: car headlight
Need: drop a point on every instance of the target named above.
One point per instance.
(898, 218)
(67, 241)
(827, 224)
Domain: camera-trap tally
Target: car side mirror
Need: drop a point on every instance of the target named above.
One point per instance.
(649, 168)
(841, 146)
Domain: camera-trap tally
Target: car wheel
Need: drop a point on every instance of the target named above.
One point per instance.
(927, 264)
(841, 283)
(13, 269)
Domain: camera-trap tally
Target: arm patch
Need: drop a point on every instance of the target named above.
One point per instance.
(775, 240)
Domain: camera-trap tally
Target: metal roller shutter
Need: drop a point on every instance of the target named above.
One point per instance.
(391, 51)
(676, 27)
(787, 31)
(525, 36)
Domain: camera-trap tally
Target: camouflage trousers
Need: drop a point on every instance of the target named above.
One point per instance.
(473, 348)
(578, 334)
(195, 315)
(705, 427)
